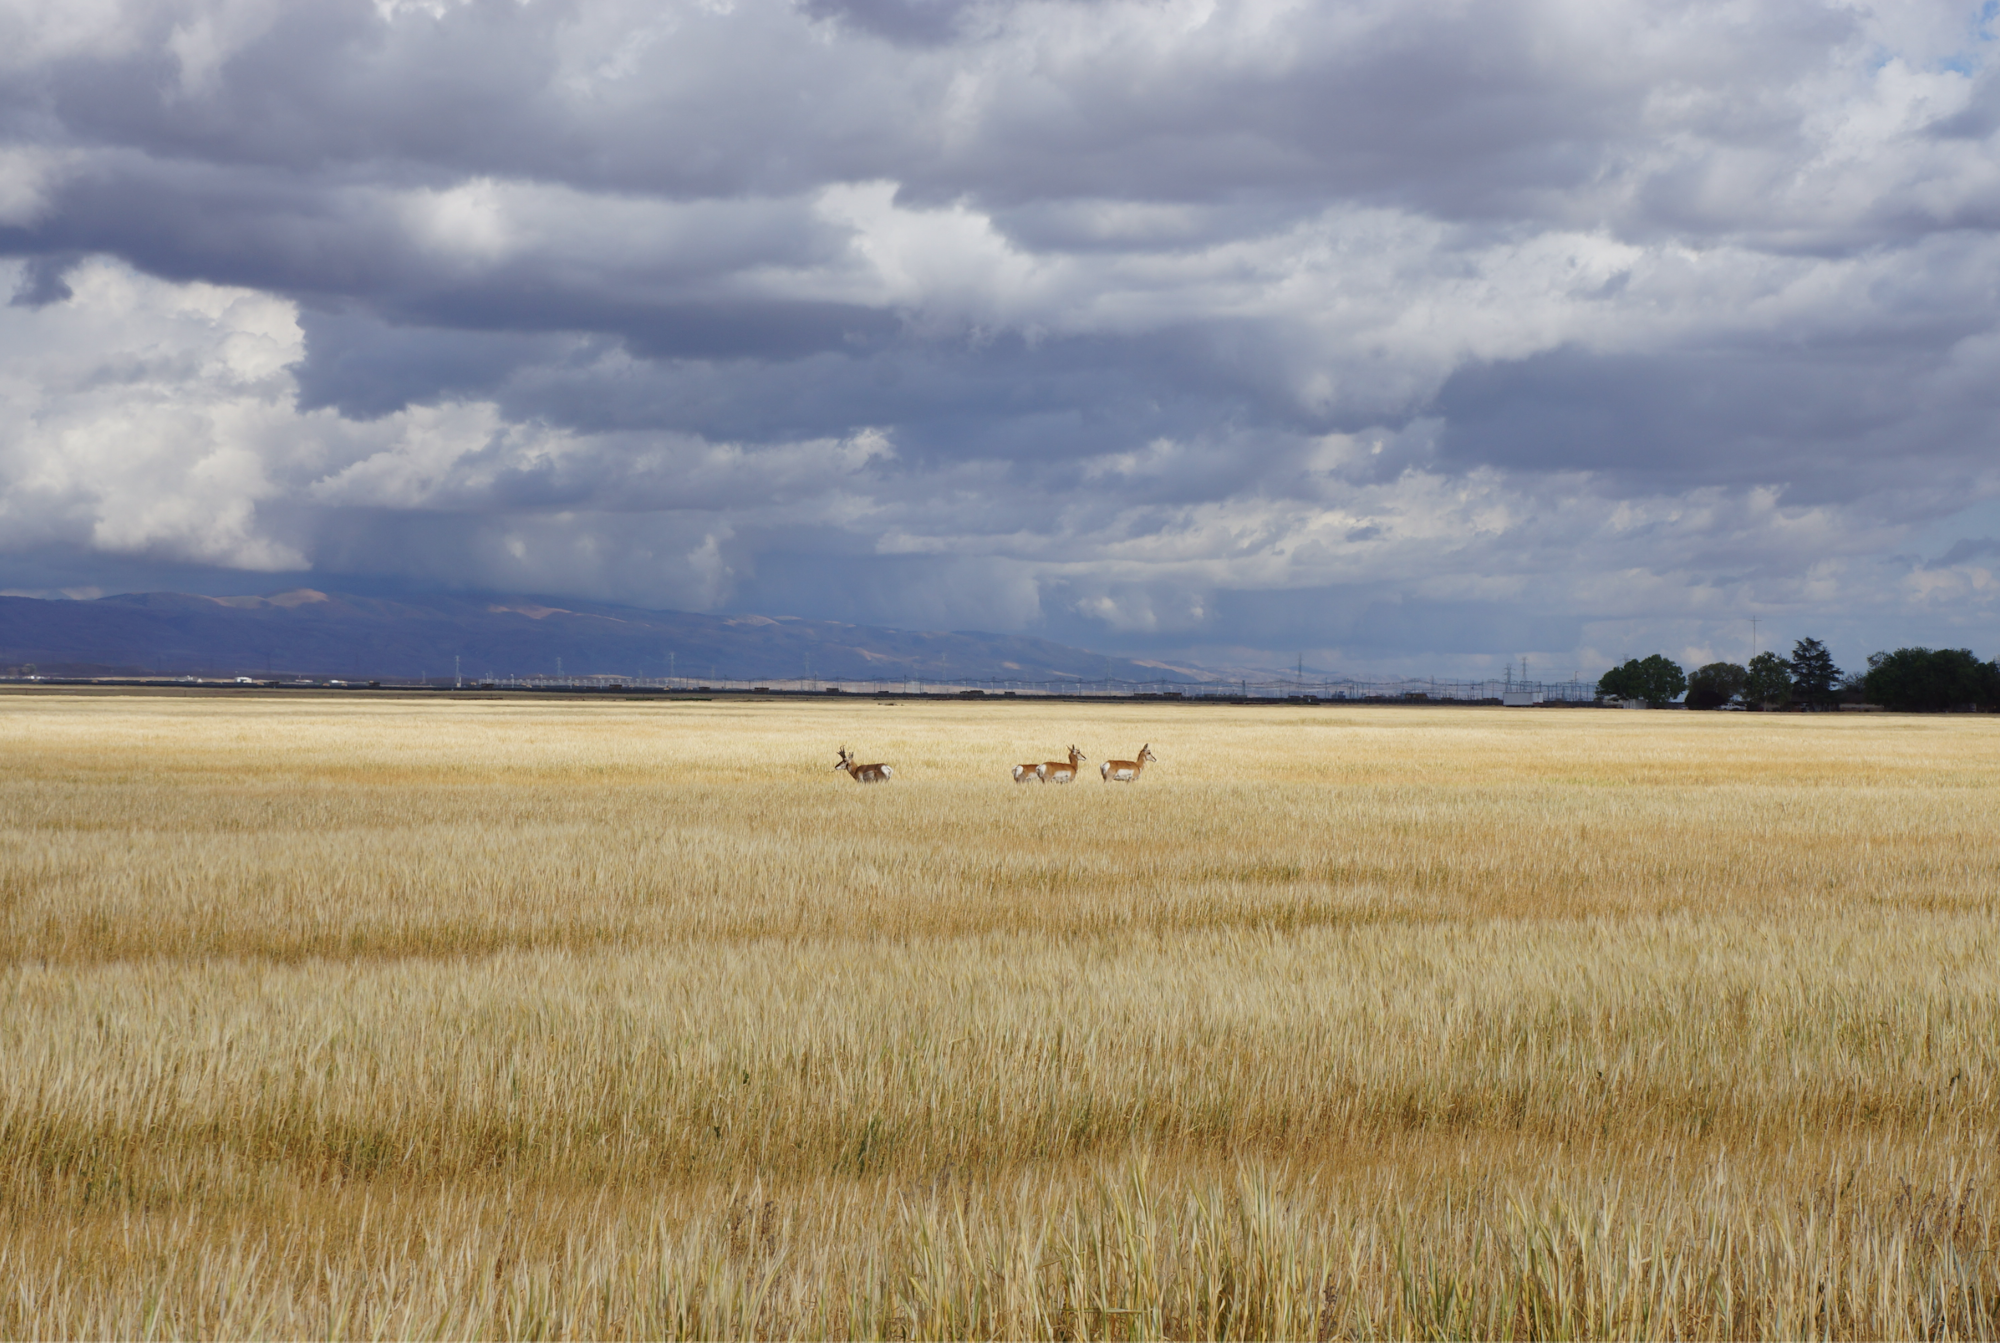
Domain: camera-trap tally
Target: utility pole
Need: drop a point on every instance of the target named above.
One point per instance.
(457, 676)
(1753, 638)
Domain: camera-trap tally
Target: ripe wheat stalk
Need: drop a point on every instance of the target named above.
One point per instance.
(635, 1021)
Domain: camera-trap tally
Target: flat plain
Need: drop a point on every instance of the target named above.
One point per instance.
(467, 1019)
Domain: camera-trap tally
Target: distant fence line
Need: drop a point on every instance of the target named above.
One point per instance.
(1330, 689)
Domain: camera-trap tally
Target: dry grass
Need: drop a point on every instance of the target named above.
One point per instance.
(637, 1020)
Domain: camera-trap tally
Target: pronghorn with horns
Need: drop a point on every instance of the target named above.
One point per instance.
(1125, 771)
(1062, 771)
(863, 773)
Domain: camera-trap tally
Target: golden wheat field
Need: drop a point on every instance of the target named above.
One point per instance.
(469, 1019)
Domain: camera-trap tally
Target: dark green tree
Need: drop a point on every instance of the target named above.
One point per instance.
(1715, 685)
(1657, 680)
(1767, 682)
(1815, 680)
(1925, 680)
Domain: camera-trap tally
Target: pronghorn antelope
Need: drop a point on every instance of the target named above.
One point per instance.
(863, 773)
(1023, 773)
(1125, 771)
(1062, 771)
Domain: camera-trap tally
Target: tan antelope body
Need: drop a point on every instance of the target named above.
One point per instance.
(1062, 771)
(863, 773)
(1023, 773)
(1125, 771)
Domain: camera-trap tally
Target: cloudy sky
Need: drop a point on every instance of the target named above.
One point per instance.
(1403, 335)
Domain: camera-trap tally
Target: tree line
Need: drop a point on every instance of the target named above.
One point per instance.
(1909, 680)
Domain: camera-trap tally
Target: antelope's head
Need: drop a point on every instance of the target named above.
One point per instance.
(845, 760)
(1075, 755)
(1146, 753)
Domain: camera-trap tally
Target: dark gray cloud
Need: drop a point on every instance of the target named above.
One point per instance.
(42, 280)
(1373, 330)
(1965, 551)
(1828, 420)
(916, 22)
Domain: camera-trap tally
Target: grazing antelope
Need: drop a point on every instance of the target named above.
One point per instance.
(1023, 773)
(863, 773)
(1125, 771)
(1062, 771)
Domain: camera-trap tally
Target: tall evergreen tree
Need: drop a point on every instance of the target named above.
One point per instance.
(1815, 680)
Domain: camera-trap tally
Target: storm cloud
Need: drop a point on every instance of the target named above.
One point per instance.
(1413, 335)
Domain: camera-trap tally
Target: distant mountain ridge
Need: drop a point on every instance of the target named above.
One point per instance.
(306, 632)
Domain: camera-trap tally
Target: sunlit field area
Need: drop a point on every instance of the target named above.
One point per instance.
(401, 1018)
